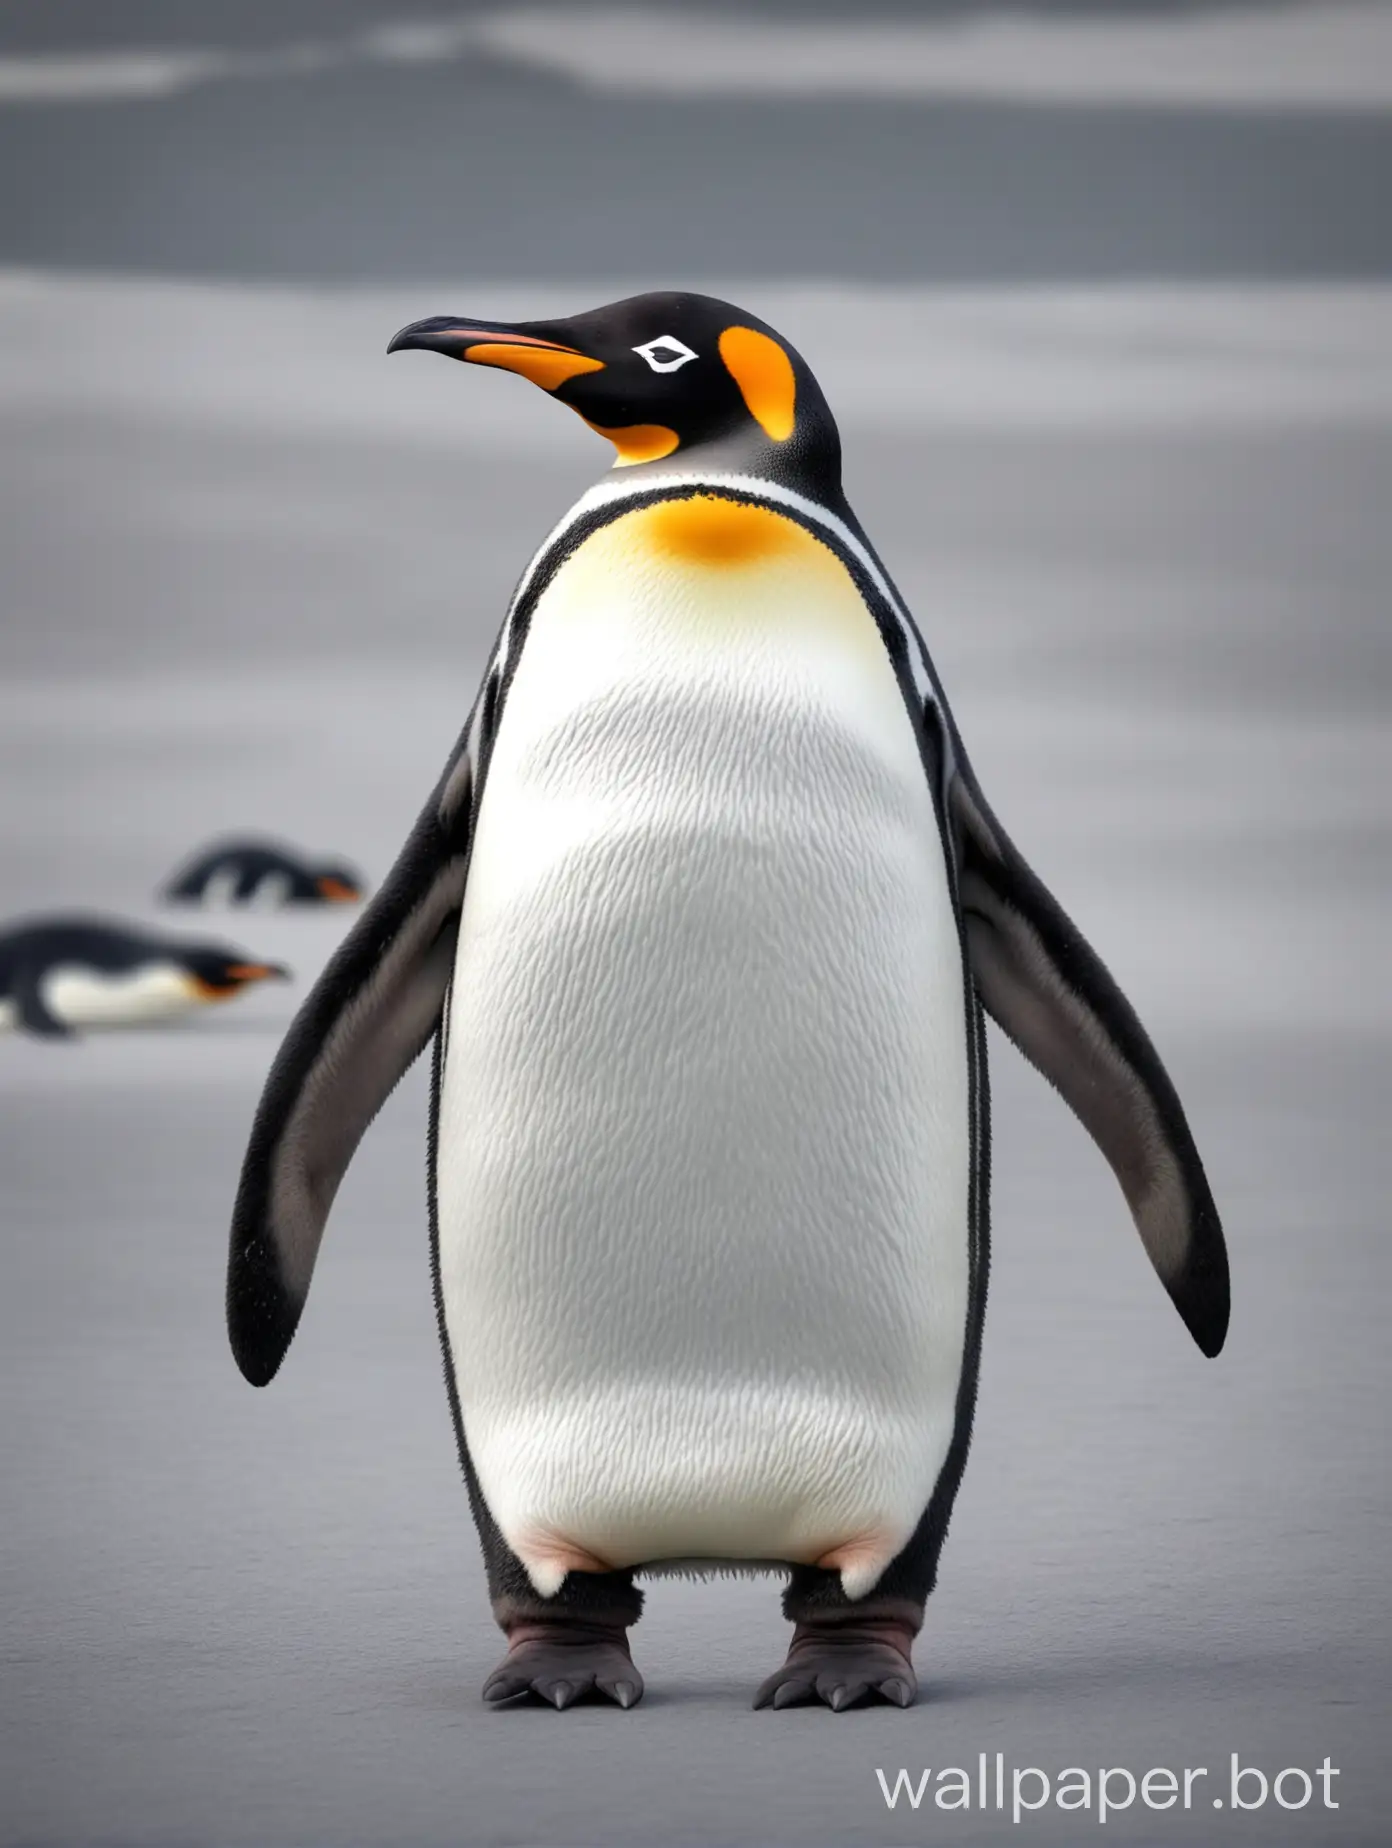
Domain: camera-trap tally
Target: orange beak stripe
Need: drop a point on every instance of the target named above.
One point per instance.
(544, 366)
(490, 334)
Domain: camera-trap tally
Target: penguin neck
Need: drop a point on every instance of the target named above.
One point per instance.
(808, 462)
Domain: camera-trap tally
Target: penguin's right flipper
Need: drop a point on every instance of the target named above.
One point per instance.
(1047, 988)
(32, 1010)
(364, 1022)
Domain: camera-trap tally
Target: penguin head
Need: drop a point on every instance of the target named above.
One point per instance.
(669, 379)
(216, 974)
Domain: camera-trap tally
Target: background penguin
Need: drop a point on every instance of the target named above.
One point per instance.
(704, 915)
(61, 973)
(264, 875)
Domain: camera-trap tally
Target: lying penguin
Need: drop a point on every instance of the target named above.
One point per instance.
(260, 874)
(58, 974)
(704, 917)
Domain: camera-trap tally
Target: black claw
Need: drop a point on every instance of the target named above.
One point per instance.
(841, 1671)
(563, 1672)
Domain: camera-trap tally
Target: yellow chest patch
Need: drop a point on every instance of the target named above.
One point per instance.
(711, 568)
(710, 530)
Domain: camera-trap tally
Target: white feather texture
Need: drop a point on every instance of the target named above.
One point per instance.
(703, 1157)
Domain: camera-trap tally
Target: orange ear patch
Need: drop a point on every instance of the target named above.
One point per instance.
(764, 374)
(538, 364)
(639, 442)
(710, 530)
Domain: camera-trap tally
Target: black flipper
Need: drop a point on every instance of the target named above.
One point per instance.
(367, 1018)
(1045, 986)
(34, 1013)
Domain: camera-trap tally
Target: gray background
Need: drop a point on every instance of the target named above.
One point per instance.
(1116, 390)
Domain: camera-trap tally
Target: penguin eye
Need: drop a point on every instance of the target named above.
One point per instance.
(665, 354)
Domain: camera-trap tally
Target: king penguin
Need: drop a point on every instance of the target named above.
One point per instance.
(262, 875)
(703, 917)
(61, 973)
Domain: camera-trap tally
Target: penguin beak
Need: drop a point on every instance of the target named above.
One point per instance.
(337, 891)
(234, 978)
(547, 363)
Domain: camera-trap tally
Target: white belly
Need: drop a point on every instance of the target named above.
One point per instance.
(90, 998)
(703, 1150)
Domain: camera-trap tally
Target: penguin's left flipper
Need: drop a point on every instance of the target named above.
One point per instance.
(32, 1010)
(366, 1019)
(1048, 990)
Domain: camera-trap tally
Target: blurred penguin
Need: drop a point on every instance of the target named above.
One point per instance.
(61, 973)
(263, 876)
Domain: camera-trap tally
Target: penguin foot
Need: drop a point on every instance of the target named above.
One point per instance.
(563, 1662)
(844, 1664)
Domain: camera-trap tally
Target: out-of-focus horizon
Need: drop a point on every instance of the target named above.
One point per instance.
(1101, 297)
(668, 142)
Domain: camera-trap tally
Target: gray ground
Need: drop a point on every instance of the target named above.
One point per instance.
(243, 1617)
(249, 571)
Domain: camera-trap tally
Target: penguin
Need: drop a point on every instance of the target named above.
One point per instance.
(704, 918)
(61, 973)
(261, 874)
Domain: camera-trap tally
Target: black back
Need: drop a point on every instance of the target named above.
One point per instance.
(93, 942)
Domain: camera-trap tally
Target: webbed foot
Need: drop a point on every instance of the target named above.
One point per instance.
(566, 1661)
(843, 1662)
